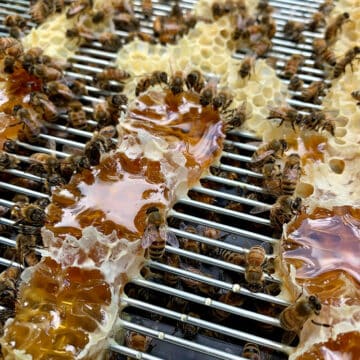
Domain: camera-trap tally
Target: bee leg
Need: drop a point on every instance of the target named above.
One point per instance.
(288, 337)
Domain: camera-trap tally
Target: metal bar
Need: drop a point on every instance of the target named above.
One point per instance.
(22, 190)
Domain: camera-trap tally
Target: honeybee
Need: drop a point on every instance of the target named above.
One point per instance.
(116, 102)
(261, 47)
(142, 36)
(222, 100)
(189, 331)
(334, 27)
(78, 87)
(291, 174)
(246, 66)
(98, 145)
(15, 32)
(80, 31)
(293, 31)
(294, 316)
(147, 8)
(229, 298)
(198, 286)
(255, 261)
(41, 9)
(195, 80)
(272, 177)
(50, 163)
(156, 235)
(313, 91)
(29, 214)
(264, 7)
(293, 64)
(295, 83)
(326, 7)
(44, 106)
(15, 20)
(268, 26)
(46, 73)
(348, 58)
(229, 256)
(77, 118)
(285, 114)
(52, 181)
(73, 164)
(8, 286)
(11, 47)
(251, 351)
(31, 127)
(25, 248)
(263, 154)
(319, 120)
(77, 7)
(110, 41)
(42, 202)
(176, 83)
(102, 114)
(110, 74)
(126, 22)
(58, 91)
(190, 245)
(11, 146)
(283, 210)
(7, 161)
(169, 278)
(236, 117)
(356, 95)
(317, 20)
(137, 341)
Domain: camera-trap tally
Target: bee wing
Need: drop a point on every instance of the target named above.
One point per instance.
(169, 236)
(259, 210)
(72, 150)
(149, 236)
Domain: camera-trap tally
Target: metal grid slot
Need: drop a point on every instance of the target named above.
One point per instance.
(222, 204)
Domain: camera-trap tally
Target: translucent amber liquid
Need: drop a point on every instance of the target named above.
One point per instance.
(60, 306)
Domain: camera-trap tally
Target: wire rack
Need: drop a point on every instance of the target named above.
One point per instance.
(147, 301)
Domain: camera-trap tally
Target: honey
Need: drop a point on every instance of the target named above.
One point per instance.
(95, 224)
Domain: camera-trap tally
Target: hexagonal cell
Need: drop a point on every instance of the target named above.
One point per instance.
(337, 165)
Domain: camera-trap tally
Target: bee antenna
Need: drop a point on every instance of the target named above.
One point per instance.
(320, 324)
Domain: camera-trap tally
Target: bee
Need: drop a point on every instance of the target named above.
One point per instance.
(295, 83)
(268, 26)
(272, 177)
(198, 286)
(294, 316)
(31, 57)
(255, 261)
(246, 66)
(80, 31)
(195, 80)
(31, 127)
(28, 214)
(356, 95)
(41, 9)
(326, 7)
(147, 8)
(319, 120)
(348, 58)
(251, 351)
(11, 146)
(78, 87)
(272, 61)
(25, 249)
(264, 7)
(110, 74)
(285, 114)
(116, 103)
(126, 22)
(7, 161)
(190, 245)
(15, 20)
(169, 278)
(222, 100)
(229, 298)
(11, 47)
(313, 91)
(176, 83)
(110, 41)
(293, 31)
(42, 202)
(73, 164)
(49, 163)
(317, 20)
(15, 32)
(142, 36)
(236, 117)
(77, 118)
(44, 106)
(58, 91)
(292, 65)
(46, 73)
(137, 341)
(77, 7)
(323, 52)
(261, 47)
(229, 256)
(263, 154)
(283, 210)
(334, 27)
(8, 286)
(102, 114)
(143, 85)
(97, 146)
(291, 174)
(189, 331)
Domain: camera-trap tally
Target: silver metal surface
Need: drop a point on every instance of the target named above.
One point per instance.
(90, 59)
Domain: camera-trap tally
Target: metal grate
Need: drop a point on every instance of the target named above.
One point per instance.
(206, 207)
